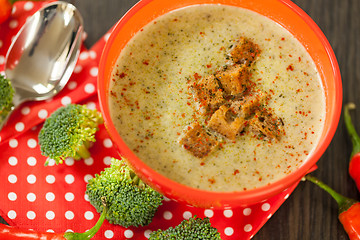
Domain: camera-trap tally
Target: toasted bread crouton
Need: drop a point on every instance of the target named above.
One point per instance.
(226, 123)
(245, 51)
(208, 93)
(248, 105)
(198, 141)
(267, 124)
(234, 79)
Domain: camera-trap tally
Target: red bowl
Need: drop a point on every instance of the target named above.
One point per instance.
(284, 12)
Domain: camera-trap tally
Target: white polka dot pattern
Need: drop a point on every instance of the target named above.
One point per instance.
(228, 213)
(168, 215)
(11, 214)
(31, 161)
(69, 179)
(50, 179)
(28, 6)
(128, 233)
(12, 178)
(13, 24)
(109, 234)
(13, 143)
(50, 196)
(31, 197)
(229, 231)
(89, 215)
(65, 101)
(13, 161)
(69, 196)
(12, 196)
(43, 114)
(50, 215)
(108, 143)
(69, 215)
(35, 195)
(187, 215)
(69, 161)
(25, 110)
(19, 126)
(31, 215)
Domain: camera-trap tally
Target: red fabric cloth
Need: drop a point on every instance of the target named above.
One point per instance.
(52, 198)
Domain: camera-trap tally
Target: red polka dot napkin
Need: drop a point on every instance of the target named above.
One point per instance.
(52, 198)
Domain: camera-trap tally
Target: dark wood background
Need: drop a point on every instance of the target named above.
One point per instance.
(309, 213)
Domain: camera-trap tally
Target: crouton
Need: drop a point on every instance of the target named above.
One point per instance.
(226, 123)
(198, 141)
(234, 79)
(247, 106)
(267, 124)
(245, 51)
(208, 93)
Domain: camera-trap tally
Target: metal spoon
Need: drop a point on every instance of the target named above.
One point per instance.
(43, 54)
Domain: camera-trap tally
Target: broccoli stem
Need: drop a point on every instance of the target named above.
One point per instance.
(82, 152)
(92, 231)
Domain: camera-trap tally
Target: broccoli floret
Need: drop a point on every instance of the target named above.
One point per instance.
(68, 132)
(130, 201)
(192, 229)
(6, 98)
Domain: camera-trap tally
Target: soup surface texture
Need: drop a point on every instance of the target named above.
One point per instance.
(151, 103)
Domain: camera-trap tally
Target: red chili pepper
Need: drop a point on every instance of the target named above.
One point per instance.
(9, 232)
(349, 209)
(5, 10)
(15, 233)
(351, 221)
(354, 165)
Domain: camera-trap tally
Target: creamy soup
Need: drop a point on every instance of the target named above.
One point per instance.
(151, 104)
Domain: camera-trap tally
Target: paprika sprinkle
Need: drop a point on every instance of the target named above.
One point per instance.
(14, 233)
(354, 165)
(349, 209)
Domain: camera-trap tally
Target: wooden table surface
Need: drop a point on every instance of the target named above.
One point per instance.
(309, 213)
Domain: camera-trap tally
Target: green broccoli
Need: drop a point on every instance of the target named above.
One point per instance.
(6, 98)
(68, 132)
(130, 201)
(192, 229)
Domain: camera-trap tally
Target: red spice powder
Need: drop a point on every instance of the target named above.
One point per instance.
(113, 93)
(197, 76)
(211, 180)
(290, 67)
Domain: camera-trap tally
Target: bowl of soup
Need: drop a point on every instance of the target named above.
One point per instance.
(219, 103)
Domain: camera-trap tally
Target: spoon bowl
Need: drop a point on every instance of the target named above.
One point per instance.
(43, 54)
